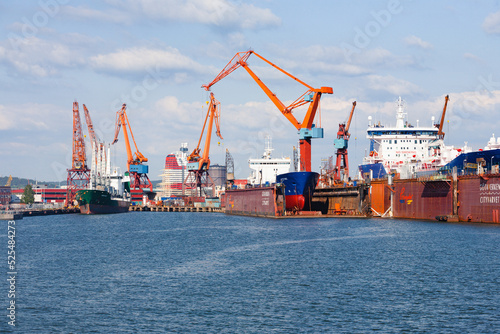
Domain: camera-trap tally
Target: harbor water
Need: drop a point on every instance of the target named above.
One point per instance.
(148, 272)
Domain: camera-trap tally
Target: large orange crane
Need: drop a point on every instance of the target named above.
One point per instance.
(312, 96)
(135, 161)
(341, 144)
(198, 166)
(79, 174)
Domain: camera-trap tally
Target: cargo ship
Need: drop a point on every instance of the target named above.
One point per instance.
(93, 201)
(109, 189)
(406, 150)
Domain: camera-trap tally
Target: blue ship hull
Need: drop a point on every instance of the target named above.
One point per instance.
(466, 163)
(299, 188)
(378, 170)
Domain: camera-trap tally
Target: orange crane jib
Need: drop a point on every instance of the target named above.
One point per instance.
(195, 161)
(441, 124)
(312, 96)
(122, 119)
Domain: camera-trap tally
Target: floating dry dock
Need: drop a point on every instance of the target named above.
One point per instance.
(352, 201)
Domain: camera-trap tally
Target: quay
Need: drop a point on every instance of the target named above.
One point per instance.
(160, 208)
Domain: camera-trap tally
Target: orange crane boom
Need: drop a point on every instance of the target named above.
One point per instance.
(90, 126)
(441, 124)
(312, 96)
(213, 115)
(122, 119)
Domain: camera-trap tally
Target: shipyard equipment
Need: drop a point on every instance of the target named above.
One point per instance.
(198, 165)
(79, 174)
(440, 125)
(135, 161)
(98, 164)
(306, 128)
(341, 144)
(9, 181)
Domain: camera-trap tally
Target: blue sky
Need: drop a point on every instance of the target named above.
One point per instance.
(155, 55)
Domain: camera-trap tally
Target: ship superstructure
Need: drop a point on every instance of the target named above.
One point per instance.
(406, 149)
(266, 168)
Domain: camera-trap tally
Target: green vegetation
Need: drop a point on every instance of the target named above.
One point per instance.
(28, 195)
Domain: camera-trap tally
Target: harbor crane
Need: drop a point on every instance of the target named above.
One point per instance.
(98, 163)
(306, 129)
(441, 124)
(341, 144)
(135, 162)
(198, 165)
(79, 174)
(9, 181)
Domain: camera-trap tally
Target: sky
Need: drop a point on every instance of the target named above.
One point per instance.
(154, 55)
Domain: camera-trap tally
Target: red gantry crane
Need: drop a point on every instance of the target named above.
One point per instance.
(312, 96)
(79, 174)
(135, 162)
(341, 144)
(198, 166)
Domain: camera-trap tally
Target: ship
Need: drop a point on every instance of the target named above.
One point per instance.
(413, 174)
(93, 201)
(298, 186)
(266, 168)
(406, 150)
(299, 189)
(109, 189)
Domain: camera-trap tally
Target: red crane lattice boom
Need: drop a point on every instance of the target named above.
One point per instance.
(79, 174)
(342, 144)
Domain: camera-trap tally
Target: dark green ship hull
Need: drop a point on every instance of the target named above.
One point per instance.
(100, 202)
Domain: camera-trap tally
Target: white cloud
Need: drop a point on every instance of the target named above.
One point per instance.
(418, 42)
(31, 116)
(219, 13)
(40, 57)
(392, 85)
(491, 23)
(141, 58)
(112, 15)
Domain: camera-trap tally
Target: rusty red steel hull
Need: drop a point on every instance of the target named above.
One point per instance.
(422, 199)
(261, 202)
(479, 198)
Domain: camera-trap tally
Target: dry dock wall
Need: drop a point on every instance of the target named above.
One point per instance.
(422, 199)
(479, 198)
(262, 202)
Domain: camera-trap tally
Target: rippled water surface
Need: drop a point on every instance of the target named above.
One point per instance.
(154, 272)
